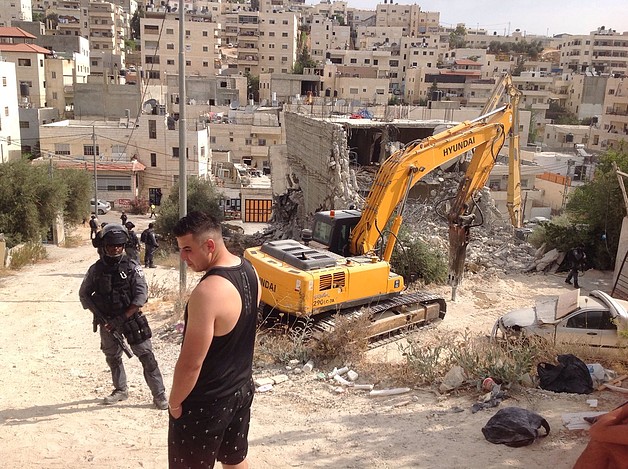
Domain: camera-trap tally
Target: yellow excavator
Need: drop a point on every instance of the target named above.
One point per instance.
(343, 263)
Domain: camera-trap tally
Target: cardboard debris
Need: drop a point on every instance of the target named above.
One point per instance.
(575, 421)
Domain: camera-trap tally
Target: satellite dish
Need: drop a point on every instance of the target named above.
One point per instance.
(234, 105)
(149, 106)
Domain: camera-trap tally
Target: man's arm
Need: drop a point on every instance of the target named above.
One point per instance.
(199, 333)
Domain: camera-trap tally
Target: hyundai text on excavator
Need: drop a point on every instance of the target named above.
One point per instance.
(343, 263)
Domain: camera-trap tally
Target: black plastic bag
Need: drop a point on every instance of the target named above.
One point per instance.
(514, 426)
(570, 375)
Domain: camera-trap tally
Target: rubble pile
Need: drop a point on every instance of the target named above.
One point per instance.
(492, 246)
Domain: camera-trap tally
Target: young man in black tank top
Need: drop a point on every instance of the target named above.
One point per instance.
(212, 388)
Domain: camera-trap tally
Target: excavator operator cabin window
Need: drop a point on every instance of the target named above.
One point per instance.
(322, 232)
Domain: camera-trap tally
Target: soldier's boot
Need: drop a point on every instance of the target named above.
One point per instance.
(116, 396)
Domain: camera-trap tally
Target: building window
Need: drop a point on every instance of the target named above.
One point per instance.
(212, 139)
(62, 148)
(88, 150)
(25, 125)
(205, 64)
(170, 61)
(175, 152)
(271, 34)
(284, 34)
(169, 31)
(152, 129)
(114, 183)
(153, 74)
(153, 159)
(4, 81)
(248, 141)
(261, 142)
(53, 74)
(205, 49)
(188, 63)
(169, 46)
(205, 34)
(284, 46)
(6, 111)
(24, 62)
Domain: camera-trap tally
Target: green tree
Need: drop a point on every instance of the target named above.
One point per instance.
(304, 60)
(519, 67)
(457, 37)
(136, 32)
(599, 205)
(31, 197)
(202, 196)
(414, 259)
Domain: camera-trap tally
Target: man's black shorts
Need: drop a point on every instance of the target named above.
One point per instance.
(212, 431)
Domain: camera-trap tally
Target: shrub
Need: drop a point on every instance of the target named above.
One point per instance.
(139, 206)
(414, 259)
(30, 253)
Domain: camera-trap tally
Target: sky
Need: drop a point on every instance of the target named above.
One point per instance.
(541, 17)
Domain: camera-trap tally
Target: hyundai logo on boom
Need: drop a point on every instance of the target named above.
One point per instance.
(459, 146)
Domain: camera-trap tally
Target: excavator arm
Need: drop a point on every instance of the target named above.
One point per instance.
(402, 170)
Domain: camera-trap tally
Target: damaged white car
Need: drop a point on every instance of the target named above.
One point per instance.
(597, 320)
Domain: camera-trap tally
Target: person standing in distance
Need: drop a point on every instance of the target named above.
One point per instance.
(115, 287)
(577, 260)
(123, 218)
(132, 248)
(150, 243)
(152, 211)
(93, 226)
(212, 388)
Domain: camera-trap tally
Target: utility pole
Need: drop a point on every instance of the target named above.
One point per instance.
(95, 171)
(183, 185)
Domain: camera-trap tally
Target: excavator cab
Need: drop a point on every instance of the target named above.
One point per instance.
(332, 229)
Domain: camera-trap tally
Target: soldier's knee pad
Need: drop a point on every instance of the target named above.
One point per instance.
(148, 361)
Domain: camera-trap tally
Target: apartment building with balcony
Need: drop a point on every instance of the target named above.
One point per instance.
(108, 27)
(15, 10)
(603, 51)
(248, 137)
(610, 128)
(327, 34)
(160, 45)
(411, 18)
(9, 113)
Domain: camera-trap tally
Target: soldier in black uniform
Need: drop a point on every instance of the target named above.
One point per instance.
(132, 248)
(115, 287)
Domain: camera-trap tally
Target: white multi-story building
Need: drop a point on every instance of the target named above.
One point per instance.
(17, 46)
(9, 117)
(160, 46)
(138, 160)
(602, 51)
(327, 34)
(11, 10)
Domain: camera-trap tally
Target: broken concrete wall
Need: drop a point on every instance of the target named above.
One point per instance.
(319, 157)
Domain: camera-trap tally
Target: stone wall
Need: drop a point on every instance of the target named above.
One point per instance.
(319, 158)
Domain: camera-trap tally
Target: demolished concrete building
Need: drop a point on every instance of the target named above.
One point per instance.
(324, 153)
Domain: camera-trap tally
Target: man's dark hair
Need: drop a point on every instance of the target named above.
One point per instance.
(196, 223)
(151, 225)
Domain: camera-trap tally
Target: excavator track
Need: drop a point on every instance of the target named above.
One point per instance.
(391, 318)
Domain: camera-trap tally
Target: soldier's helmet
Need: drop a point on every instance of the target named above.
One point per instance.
(113, 234)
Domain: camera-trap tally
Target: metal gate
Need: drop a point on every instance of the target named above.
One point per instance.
(620, 289)
(257, 210)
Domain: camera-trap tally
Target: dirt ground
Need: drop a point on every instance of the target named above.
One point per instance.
(53, 377)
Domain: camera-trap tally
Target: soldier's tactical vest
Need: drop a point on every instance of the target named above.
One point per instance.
(113, 287)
